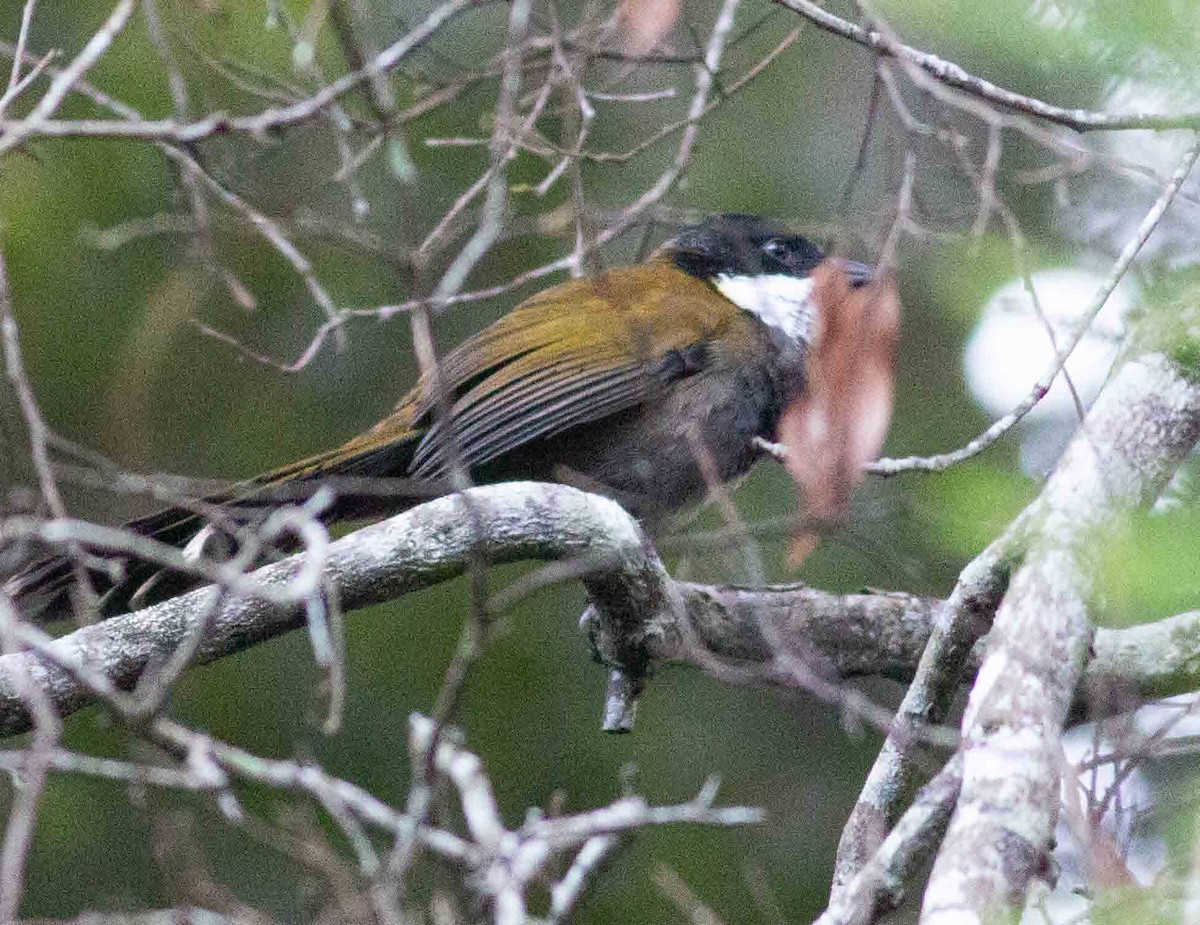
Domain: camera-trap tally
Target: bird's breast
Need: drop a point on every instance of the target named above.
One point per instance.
(672, 452)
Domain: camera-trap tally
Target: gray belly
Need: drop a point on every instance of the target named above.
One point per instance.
(663, 456)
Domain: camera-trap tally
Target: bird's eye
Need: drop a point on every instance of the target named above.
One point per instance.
(777, 248)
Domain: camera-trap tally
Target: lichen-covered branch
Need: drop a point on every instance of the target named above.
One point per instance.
(957, 626)
(1141, 427)
(429, 544)
(879, 885)
(642, 612)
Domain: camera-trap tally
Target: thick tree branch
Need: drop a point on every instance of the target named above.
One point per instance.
(844, 636)
(431, 543)
(1144, 423)
(879, 885)
(957, 625)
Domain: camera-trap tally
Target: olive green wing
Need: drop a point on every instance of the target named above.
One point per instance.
(576, 354)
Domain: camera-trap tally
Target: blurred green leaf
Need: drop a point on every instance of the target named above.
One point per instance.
(1148, 568)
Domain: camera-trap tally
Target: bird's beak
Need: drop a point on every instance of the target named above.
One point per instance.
(859, 273)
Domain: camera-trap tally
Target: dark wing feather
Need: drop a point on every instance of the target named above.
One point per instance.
(560, 371)
(568, 403)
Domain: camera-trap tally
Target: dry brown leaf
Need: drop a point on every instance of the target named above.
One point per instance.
(645, 23)
(840, 422)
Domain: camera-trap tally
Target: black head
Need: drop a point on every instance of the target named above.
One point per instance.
(733, 244)
(742, 245)
(761, 267)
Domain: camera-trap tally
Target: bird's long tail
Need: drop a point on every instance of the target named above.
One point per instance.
(355, 472)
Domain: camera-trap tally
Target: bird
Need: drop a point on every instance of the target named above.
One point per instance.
(645, 383)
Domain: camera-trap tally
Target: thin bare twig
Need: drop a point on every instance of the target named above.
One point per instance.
(29, 779)
(15, 82)
(274, 235)
(1001, 426)
(172, 131)
(64, 82)
(952, 75)
(38, 433)
(14, 74)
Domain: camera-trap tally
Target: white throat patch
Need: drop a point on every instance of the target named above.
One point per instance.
(779, 301)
